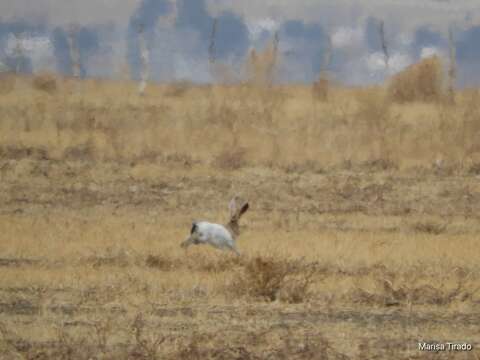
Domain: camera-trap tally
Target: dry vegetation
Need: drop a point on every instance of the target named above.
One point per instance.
(361, 240)
(423, 81)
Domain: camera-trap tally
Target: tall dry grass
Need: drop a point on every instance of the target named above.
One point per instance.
(251, 124)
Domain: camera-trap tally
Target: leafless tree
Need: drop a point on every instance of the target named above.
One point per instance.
(384, 44)
(272, 67)
(452, 70)
(74, 51)
(211, 48)
(144, 60)
(18, 51)
(327, 58)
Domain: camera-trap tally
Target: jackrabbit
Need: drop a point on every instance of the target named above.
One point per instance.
(220, 236)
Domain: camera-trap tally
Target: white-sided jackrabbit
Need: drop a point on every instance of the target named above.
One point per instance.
(220, 236)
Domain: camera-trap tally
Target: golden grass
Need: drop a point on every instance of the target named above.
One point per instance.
(236, 126)
(361, 239)
(132, 263)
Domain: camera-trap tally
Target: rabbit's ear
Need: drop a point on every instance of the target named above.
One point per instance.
(243, 209)
(194, 228)
(232, 207)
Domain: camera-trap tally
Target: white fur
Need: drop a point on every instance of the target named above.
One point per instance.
(216, 235)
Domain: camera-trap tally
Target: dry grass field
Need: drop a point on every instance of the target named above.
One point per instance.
(361, 241)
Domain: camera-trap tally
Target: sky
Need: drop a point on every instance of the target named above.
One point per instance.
(37, 36)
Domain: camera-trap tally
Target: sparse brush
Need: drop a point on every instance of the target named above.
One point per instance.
(101, 335)
(159, 262)
(297, 289)
(275, 125)
(474, 169)
(147, 344)
(265, 277)
(111, 257)
(218, 265)
(273, 279)
(85, 151)
(231, 159)
(309, 166)
(16, 152)
(396, 289)
(430, 227)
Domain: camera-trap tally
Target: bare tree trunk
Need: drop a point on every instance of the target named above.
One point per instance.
(18, 51)
(144, 59)
(271, 69)
(74, 52)
(452, 70)
(383, 40)
(327, 59)
(212, 46)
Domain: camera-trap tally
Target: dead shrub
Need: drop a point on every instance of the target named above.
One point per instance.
(159, 262)
(297, 289)
(271, 279)
(423, 82)
(45, 82)
(147, 344)
(266, 276)
(231, 159)
(19, 152)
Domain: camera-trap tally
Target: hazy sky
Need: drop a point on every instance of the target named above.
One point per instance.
(407, 12)
(178, 30)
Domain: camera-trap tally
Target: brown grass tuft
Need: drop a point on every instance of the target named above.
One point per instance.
(159, 262)
(231, 159)
(45, 82)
